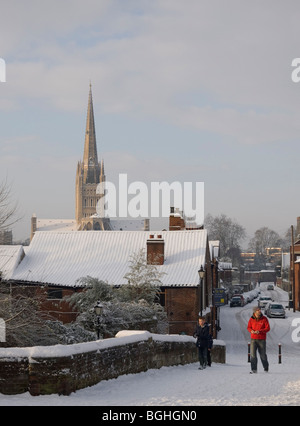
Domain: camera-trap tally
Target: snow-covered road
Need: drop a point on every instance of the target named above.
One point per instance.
(221, 384)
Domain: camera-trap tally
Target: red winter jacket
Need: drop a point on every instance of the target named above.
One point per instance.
(261, 325)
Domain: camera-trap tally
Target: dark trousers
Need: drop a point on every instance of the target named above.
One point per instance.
(202, 353)
(208, 358)
(260, 346)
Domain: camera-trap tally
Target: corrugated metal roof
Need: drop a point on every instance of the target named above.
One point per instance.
(10, 257)
(66, 225)
(61, 258)
(56, 225)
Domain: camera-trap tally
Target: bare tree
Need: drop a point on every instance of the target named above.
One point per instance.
(264, 238)
(287, 238)
(8, 209)
(228, 231)
(25, 323)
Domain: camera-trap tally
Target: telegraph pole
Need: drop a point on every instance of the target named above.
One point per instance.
(293, 270)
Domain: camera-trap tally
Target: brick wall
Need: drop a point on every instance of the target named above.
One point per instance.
(182, 307)
(51, 299)
(63, 369)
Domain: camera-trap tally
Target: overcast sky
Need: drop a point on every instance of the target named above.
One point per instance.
(189, 91)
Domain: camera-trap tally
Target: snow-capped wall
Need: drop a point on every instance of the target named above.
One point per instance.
(64, 369)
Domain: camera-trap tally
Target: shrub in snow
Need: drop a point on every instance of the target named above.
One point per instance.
(129, 306)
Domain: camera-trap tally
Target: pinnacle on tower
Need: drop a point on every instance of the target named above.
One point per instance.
(102, 174)
(90, 156)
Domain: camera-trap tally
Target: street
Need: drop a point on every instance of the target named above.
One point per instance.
(236, 336)
(221, 384)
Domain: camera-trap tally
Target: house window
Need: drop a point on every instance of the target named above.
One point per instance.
(54, 294)
(162, 297)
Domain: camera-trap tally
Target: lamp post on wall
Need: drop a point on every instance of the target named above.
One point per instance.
(201, 273)
(98, 309)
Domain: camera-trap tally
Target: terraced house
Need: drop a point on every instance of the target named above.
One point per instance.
(55, 261)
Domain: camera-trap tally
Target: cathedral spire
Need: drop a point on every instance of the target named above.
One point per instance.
(90, 156)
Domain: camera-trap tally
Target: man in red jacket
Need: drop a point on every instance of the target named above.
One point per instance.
(258, 326)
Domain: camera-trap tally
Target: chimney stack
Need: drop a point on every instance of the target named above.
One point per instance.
(176, 221)
(33, 225)
(155, 250)
(298, 228)
(146, 224)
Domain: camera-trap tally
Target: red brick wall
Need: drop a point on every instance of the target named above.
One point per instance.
(182, 307)
(297, 286)
(56, 307)
(296, 283)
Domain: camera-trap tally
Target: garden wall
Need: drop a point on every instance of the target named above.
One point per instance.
(63, 369)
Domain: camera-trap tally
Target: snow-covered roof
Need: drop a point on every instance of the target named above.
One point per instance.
(61, 258)
(214, 247)
(10, 257)
(127, 224)
(65, 225)
(225, 266)
(55, 225)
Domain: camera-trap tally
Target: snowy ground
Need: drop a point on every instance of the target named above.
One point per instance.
(222, 384)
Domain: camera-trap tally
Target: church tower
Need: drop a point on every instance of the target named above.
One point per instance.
(89, 174)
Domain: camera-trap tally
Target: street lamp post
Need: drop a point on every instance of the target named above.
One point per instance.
(98, 309)
(201, 273)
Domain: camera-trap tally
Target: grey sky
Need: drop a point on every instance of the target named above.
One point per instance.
(183, 90)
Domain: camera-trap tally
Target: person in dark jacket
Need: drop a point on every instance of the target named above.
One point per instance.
(209, 347)
(202, 334)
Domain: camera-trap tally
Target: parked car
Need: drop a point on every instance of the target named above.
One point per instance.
(244, 302)
(237, 301)
(266, 307)
(248, 296)
(270, 287)
(264, 300)
(275, 310)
